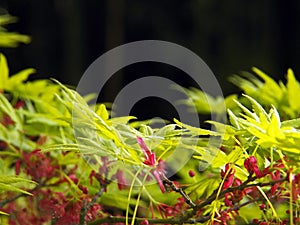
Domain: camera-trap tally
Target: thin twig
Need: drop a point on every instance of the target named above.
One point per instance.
(82, 215)
(179, 190)
(86, 208)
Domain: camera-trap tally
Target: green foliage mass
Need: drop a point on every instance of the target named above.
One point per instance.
(10, 39)
(256, 127)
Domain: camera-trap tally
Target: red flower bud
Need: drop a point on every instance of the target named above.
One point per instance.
(83, 189)
(150, 160)
(262, 206)
(192, 173)
(17, 167)
(122, 183)
(229, 173)
(93, 174)
(19, 104)
(252, 167)
(6, 121)
(228, 199)
(250, 163)
(3, 145)
(144, 222)
(263, 223)
(73, 178)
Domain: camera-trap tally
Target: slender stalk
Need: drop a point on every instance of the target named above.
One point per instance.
(179, 190)
(85, 207)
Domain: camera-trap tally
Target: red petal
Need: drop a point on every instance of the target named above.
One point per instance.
(150, 158)
(17, 167)
(144, 147)
(160, 183)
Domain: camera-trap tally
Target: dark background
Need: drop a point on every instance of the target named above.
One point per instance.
(230, 36)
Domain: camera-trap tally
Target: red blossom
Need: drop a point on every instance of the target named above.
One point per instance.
(150, 160)
(237, 182)
(264, 223)
(228, 199)
(92, 174)
(38, 165)
(52, 206)
(122, 183)
(223, 218)
(73, 178)
(157, 176)
(103, 169)
(19, 104)
(3, 145)
(296, 187)
(255, 220)
(98, 177)
(83, 189)
(101, 176)
(236, 196)
(144, 222)
(275, 176)
(6, 121)
(252, 167)
(229, 173)
(176, 210)
(262, 206)
(71, 216)
(17, 167)
(94, 212)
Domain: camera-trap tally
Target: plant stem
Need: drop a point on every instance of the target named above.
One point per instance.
(179, 190)
(85, 208)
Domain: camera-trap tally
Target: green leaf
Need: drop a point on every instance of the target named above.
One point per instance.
(7, 19)
(270, 86)
(233, 119)
(19, 78)
(195, 131)
(102, 112)
(258, 110)
(4, 72)
(8, 183)
(293, 91)
(10, 39)
(13, 179)
(291, 123)
(7, 108)
(274, 127)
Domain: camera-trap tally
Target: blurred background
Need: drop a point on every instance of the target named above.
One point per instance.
(230, 36)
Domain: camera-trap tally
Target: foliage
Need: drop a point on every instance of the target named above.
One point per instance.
(10, 39)
(64, 161)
